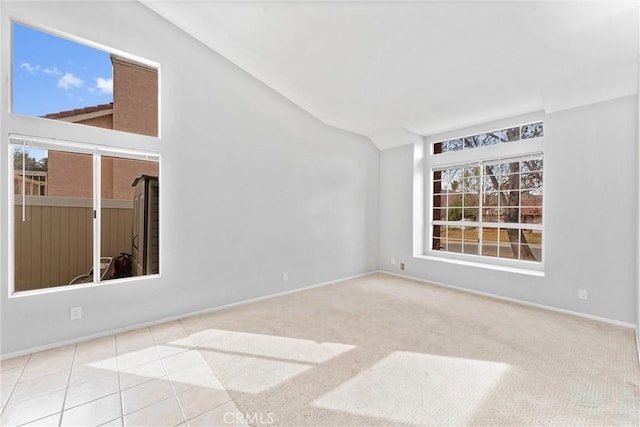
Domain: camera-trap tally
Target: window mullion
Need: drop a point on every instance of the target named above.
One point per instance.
(481, 209)
(97, 215)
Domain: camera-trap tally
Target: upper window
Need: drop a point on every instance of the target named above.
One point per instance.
(517, 133)
(59, 79)
(489, 203)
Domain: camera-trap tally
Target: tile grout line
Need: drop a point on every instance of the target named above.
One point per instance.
(13, 389)
(214, 375)
(175, 395)
(215, 407)
(66, 390)
(115, 342)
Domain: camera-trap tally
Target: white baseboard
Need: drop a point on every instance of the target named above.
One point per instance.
(638, 341)
(172, 318)
(515, 300)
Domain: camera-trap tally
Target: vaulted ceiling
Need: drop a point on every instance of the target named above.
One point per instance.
(427, 67)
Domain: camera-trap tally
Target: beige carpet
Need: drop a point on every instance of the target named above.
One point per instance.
(381, 350)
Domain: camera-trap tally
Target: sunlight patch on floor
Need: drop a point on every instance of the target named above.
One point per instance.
(417, 388)
(277, 347)
(250, 374)
(253, 363)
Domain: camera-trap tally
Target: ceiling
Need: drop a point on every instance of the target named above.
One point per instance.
(376, 68)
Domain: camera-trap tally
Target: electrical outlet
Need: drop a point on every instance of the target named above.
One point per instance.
(75, 313)
(402, 266)
(393, 261)
(285, 276)
(583, 294)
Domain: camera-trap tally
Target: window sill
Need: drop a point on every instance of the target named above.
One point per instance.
(66, 288)
(507, 269)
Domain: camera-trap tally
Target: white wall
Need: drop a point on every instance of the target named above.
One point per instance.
(590, 217)
(252, 186)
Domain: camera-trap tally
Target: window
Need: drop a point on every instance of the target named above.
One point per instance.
(61, 215)
(518, 133)
(59, 79)
(85, 206)
(487, 196)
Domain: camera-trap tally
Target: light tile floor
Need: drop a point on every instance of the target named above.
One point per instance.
(150, 376)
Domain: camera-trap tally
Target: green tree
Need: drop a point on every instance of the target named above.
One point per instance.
(30, 163)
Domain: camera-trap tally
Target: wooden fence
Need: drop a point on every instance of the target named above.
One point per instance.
(55, 242)
(35, 183)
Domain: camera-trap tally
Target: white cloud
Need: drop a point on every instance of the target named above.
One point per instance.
(104, 85)
(31, 69)
(53, 71)
(69, 81)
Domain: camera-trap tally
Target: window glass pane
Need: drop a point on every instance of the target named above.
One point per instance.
(490, 214)
(531, 215)
(531, 165)
(508, 251)
(531, 180)
(492, 138)
(470, 214)
(509, 215)
(452, 180)
(475, 140)
(454, 232)
(452, 145)
(53, 228)
(59, 79)
(454, 239)
(454, 211)
(489, 249)
(438, 244)
(490, 182)
(496, 169)
(509, 135)
(533, 130)
(439, 214)
(531, 247)
(512, 197)
(472, 185)
(509, 240)
(489, 234)
(470, 237)
(130, 228)
(490, 198)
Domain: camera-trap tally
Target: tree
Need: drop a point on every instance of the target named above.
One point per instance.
(30, 163)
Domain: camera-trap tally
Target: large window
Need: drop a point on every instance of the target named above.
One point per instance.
(77, 211)
(487, 195)
(84, 205)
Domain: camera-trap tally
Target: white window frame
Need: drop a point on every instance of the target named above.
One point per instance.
(63, 136)
(427, 162)
(97, 151)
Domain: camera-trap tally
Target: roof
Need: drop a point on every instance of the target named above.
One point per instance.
(79, 111)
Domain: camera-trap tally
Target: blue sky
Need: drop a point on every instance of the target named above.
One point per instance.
(52, 74)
